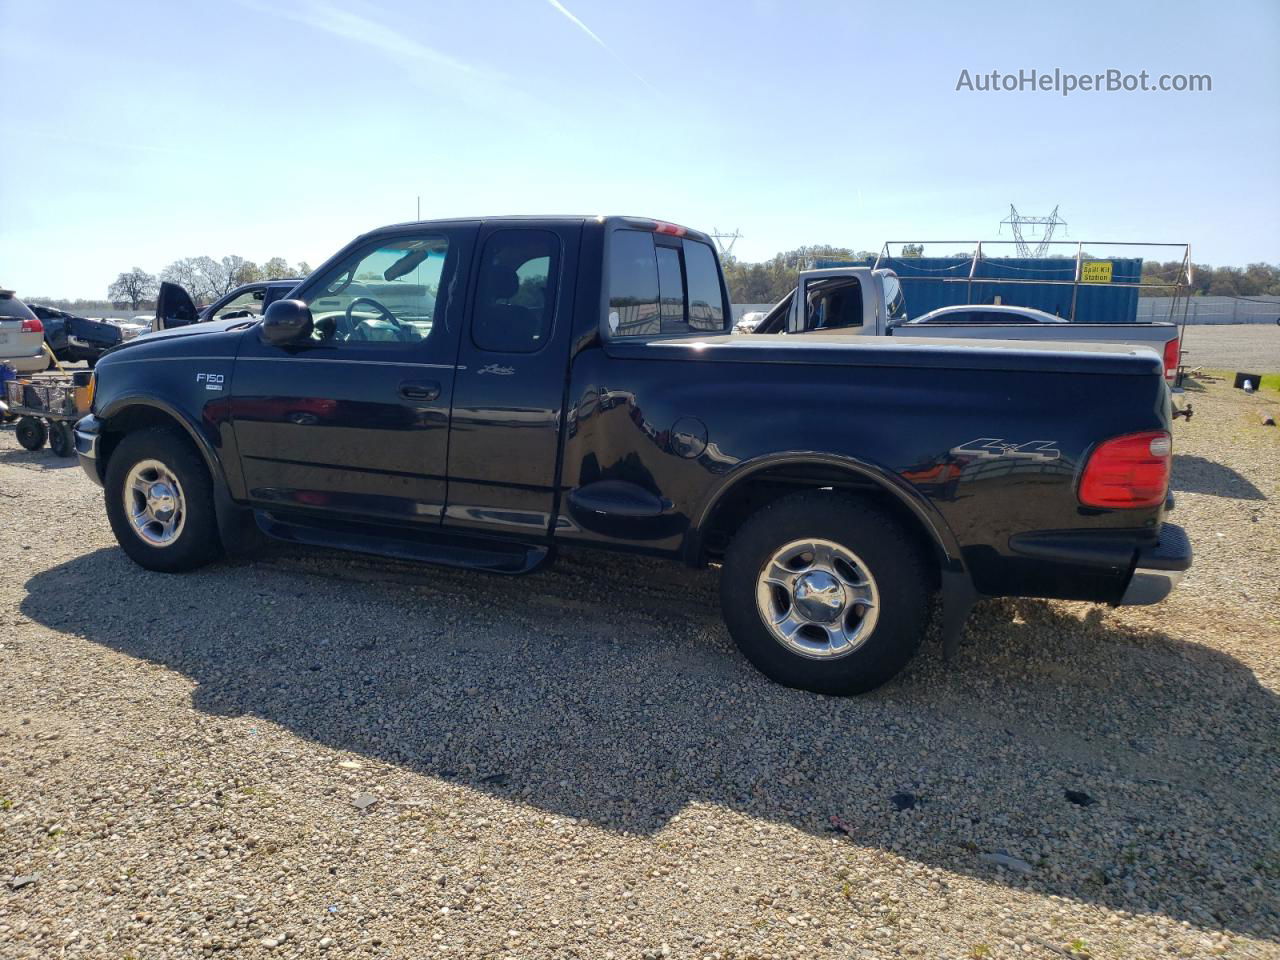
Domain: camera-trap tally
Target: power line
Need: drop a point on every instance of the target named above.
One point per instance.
(1047, 225)
(726, 249)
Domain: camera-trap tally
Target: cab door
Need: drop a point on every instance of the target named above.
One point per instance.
(509, 393)
(354, 419)
(174, 307)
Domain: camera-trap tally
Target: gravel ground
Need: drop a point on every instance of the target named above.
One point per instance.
(1254, 347)
(312, 756)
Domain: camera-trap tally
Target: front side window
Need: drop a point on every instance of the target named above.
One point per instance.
(381, 297)
(515, 291)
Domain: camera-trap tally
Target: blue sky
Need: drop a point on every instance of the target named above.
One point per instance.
(139, 132)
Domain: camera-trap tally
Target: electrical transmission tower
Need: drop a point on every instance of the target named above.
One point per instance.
(726, 249)
(1045, 224)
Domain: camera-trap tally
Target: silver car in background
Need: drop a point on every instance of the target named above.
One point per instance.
(21, 335)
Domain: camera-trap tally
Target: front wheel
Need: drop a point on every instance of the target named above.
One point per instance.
(825, 593)
(160, 502)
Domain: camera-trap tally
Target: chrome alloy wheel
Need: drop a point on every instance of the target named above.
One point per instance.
(154, 503)
(818, 599)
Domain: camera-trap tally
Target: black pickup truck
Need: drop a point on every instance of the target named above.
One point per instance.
(478, 392)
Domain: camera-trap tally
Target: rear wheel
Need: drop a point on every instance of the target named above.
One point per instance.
(31, 433)
(159, 500)
(825, 593)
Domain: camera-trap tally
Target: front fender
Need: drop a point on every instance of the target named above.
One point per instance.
(120, 406)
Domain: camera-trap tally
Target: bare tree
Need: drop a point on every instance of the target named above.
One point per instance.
(133, 288)
(187, 274)
(218, 275)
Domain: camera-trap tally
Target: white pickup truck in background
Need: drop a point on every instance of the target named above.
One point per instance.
(864, 301)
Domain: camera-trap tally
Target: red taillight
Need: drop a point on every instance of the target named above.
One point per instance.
(32, 325)
(1171, 352)
(1128, 471)
(671, 228)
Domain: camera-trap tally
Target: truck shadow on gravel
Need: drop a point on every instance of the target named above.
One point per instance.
(1193, 474)
(1128, 768)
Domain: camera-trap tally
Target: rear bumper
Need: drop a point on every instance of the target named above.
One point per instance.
(86, 433)
(1159, 568)
(30, 364)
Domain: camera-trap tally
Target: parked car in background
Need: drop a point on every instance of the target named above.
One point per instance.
(73, 339)
(175, 308)
(985, 313)
(129, 328)
(21, 335)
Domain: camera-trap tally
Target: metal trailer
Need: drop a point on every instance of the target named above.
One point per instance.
(46, 408)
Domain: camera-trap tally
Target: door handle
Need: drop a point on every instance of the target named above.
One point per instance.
(420, 389)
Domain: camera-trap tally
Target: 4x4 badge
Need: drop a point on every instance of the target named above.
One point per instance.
(992, 447)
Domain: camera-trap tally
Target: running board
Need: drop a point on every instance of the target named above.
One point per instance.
(442, 549)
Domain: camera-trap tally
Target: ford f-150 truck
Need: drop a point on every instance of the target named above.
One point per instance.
(863, 301)
(481, 392)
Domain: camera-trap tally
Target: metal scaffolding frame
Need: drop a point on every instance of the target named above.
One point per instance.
(1179, 287)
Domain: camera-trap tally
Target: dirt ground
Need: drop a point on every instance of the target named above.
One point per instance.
(310, 756)
(1251, 347)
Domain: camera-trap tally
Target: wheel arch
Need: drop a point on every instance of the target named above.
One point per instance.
(127, 414)
(757, 482)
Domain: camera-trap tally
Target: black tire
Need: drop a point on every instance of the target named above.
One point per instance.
(196, 543)
(31, 433)
(898, 568)
(61, 441)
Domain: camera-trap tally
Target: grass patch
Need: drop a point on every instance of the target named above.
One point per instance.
(1270, 382)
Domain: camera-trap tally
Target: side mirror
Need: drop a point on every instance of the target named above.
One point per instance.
(285, 321)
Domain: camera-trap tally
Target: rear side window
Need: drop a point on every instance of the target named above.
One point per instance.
(11, 308)
(706, 299)
(515, 291)
(662, 288)
(633, 284)
(671, 289)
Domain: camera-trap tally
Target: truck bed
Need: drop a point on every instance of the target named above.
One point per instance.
(1155, 335)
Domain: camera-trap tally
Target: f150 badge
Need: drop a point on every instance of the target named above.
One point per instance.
(211, 381)
(990, 448)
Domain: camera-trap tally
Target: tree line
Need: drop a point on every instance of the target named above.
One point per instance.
(205, 278)
(768, 281)
(1255, 280)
